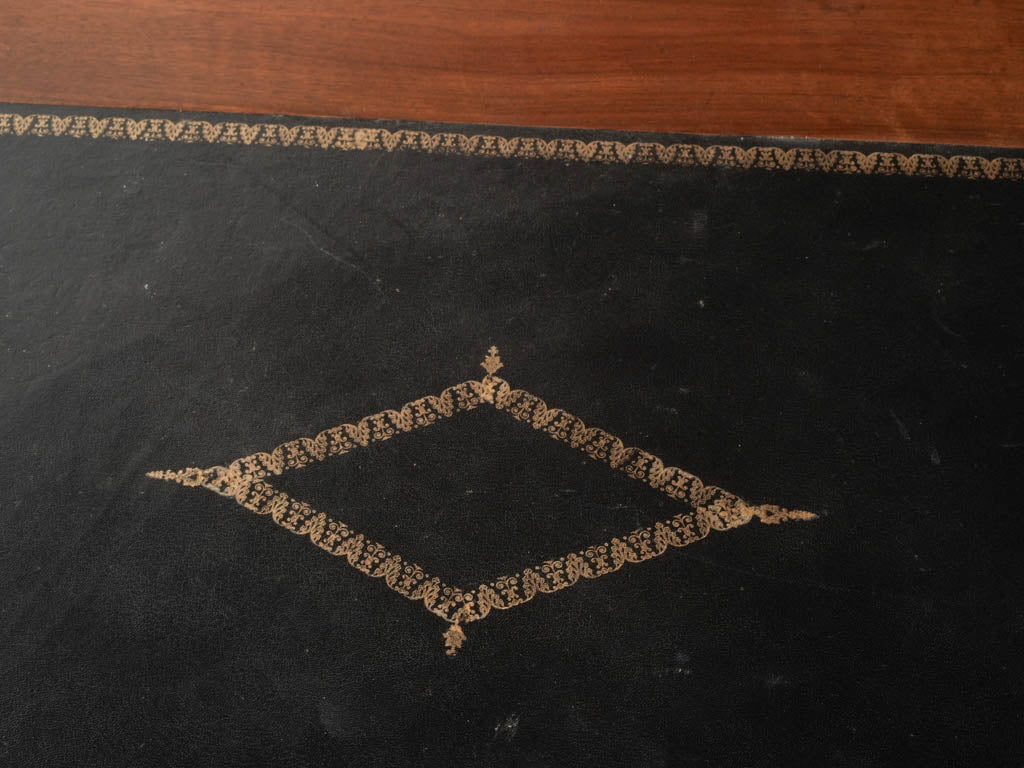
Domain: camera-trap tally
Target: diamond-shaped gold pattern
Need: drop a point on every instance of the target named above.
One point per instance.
(247, 480)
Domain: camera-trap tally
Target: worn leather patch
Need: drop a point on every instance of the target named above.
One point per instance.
(697, 337)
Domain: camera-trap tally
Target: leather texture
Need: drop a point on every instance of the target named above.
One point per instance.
(845, 344)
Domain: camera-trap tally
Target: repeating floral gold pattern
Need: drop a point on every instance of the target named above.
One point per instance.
(247, 481)
(348, 138)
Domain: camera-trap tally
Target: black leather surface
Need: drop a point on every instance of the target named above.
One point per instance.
(845, 344)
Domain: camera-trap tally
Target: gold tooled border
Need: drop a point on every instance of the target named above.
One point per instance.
(247, 480)
(348, 138)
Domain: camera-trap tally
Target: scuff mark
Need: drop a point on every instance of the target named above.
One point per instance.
(332, 255)
(900, 425)
(942, 326)
(507, 728)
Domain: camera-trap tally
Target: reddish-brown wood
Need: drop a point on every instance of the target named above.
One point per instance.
(911, 70)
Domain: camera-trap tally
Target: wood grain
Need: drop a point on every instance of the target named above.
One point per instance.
(912, 70)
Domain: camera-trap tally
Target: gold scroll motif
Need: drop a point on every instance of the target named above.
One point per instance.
(248, 481)
(569, 150)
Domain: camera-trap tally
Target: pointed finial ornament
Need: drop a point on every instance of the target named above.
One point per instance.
(217, 479)
(453, 639)
(492, 363)
(191, 476)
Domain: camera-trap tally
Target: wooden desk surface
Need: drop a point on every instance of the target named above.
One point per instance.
(913, 70)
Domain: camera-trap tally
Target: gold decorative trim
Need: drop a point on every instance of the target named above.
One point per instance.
(246, 480)
(348, 138)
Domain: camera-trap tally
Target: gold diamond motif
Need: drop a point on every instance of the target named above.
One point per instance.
(248, 481)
